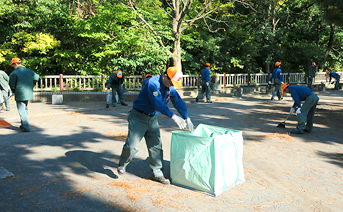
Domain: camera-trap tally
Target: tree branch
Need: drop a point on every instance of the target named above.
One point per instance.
(150, 27)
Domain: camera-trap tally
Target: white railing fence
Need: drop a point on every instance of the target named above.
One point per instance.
(134, 83)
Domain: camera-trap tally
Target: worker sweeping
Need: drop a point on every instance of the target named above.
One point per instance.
(305, 112)
(153, 98)
(336, 76)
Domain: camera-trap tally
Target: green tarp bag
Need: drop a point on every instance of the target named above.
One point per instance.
(209, 159)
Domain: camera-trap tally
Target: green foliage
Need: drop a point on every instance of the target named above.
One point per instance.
(77, 89)
(99, 37)
(97, 89)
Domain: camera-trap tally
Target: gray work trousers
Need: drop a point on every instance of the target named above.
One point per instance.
(141, 125)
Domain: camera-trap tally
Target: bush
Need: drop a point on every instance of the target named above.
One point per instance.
(97, 89)
(77, 89)
(54, 90)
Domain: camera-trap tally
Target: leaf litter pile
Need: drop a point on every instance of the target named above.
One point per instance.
(281, 136)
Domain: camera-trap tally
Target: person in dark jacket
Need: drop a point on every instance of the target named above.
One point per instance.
(205, 84)
(4, 89)
(278, 81)
(336, 76)
(153, 98)
(115, 82)
(311, 74)
(305, 112)
(21, 83)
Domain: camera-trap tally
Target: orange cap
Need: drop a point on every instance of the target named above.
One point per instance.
(327, 72)
(277, 64)
(313, 63)
(119, 74)
(175, 75)
(283, 87)
(15, 60)
(207, 65)
(148, 75)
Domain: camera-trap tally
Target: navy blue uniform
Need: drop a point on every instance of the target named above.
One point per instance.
(205, 88)
(277, 77)
(337, 77)
(143, 122)
(299, 94)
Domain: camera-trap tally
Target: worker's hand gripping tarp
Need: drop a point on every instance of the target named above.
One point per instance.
(208, 160)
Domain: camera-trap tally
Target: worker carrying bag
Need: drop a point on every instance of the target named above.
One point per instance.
(209, 159)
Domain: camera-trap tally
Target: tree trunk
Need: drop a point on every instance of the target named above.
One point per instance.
(330, 44)
(176, 53)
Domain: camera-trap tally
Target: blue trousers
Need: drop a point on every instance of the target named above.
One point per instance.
(141, 125)
(5, 95)
(120, 96)
(22, 110)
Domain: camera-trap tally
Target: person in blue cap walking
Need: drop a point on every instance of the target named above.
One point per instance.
(153, 98)
(336, 76)
(205, 84)
(305, 112)
(277, 77)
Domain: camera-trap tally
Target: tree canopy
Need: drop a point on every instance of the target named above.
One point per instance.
(86, 37)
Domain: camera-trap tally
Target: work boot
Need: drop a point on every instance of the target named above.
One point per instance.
(209, 102)
(121, 170)
(161, 180)
(196, 99)
(307, 130)
(124, 104)
(25, 130)
(296, 132)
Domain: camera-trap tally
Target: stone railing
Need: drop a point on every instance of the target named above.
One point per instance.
(134, 83)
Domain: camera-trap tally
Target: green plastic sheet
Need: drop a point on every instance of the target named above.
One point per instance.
(208, 160)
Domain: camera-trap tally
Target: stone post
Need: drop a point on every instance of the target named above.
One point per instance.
(103, 81)
(61, 82)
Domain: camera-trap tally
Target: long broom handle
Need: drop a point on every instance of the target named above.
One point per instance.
(6, 100)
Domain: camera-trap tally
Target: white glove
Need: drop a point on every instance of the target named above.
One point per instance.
(270, 82)
(298, 111)
(179, 121)
(292, 110)
(282, 83)
(207, 83)
(108, 91)
(189, 124)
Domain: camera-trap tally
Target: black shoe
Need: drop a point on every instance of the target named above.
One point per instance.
(161, 180)
(113, 105)
(121, 170)
(7, 109)
(280, 98)
(25, 130)
(21, 127)
(307, 130)
(296, 132)
(209, 102)
(272, 98)
(124, 104)
(196, 100)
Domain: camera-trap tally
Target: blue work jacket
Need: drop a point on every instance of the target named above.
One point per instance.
(334, 75)
(155, 96)
(205, 75)
(299, 93)
(277, 74)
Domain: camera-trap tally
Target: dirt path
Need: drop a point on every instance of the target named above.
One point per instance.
(68, 162)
